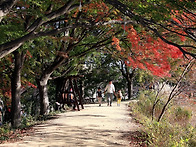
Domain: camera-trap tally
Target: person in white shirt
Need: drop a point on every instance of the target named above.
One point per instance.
(110, 91)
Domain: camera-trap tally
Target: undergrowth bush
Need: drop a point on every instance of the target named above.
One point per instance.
(27, 121)
(145, 103)
(146, 100)
(182, 114)
(8, 133)
(169, 135)
(173, 131)
(4, 132)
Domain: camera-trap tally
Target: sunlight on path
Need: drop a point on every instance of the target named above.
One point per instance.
(92, 127)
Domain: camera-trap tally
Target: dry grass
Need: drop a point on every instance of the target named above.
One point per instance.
(175, 128)
(188, 103)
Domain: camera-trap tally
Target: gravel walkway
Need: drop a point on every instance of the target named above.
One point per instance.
(93, 126)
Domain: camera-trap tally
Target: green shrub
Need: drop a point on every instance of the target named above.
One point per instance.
(179, 115)
(168, 135)
(192, 142)
(4, 132)
(170, 132)
(27, 121)
(145, 104)
(182, 114)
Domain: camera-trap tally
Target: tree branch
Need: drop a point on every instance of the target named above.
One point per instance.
(145, 23)
(5, 7)
(50, 16)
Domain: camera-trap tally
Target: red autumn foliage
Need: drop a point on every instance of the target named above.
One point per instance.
(27, 83)
(148, 53)
(28, 54)
(181, 22)
(98, 8)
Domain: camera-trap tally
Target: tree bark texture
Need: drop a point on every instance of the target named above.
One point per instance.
(16, 91)
(43, 94)
(130, 88)
(42, 85)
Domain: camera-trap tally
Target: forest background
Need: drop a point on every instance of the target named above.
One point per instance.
(141, 45)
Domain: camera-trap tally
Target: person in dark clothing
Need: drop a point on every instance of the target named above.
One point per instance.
(71, 96)
(99, 96)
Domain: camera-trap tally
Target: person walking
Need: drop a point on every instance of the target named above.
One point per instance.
(109, 90)
(119, 97)
(99, 96)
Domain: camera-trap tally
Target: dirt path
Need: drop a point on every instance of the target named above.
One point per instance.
(92, 127)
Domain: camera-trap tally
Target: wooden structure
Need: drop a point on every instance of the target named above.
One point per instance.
(67, 92)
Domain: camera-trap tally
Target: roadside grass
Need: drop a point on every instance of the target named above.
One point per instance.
(174, 130)
(8, 134)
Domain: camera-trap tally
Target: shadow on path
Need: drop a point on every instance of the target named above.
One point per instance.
(92, 127)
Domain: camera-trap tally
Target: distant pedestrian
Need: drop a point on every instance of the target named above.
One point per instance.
(72, 100)
(109, 90)
(99, 96)
(119, 97)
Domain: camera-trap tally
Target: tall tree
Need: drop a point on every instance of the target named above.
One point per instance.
(76, 43)
(164, 18)
(98, 70)
(46, 12)
(129, 74)
(49, 19)
(16, 89)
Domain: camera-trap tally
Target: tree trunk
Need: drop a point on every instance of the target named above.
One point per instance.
(82, 89)
(156, 100)
(129, 78)
(130, 88)
(175, 91)
(42, 85)
(43, 94)
(16, 90)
